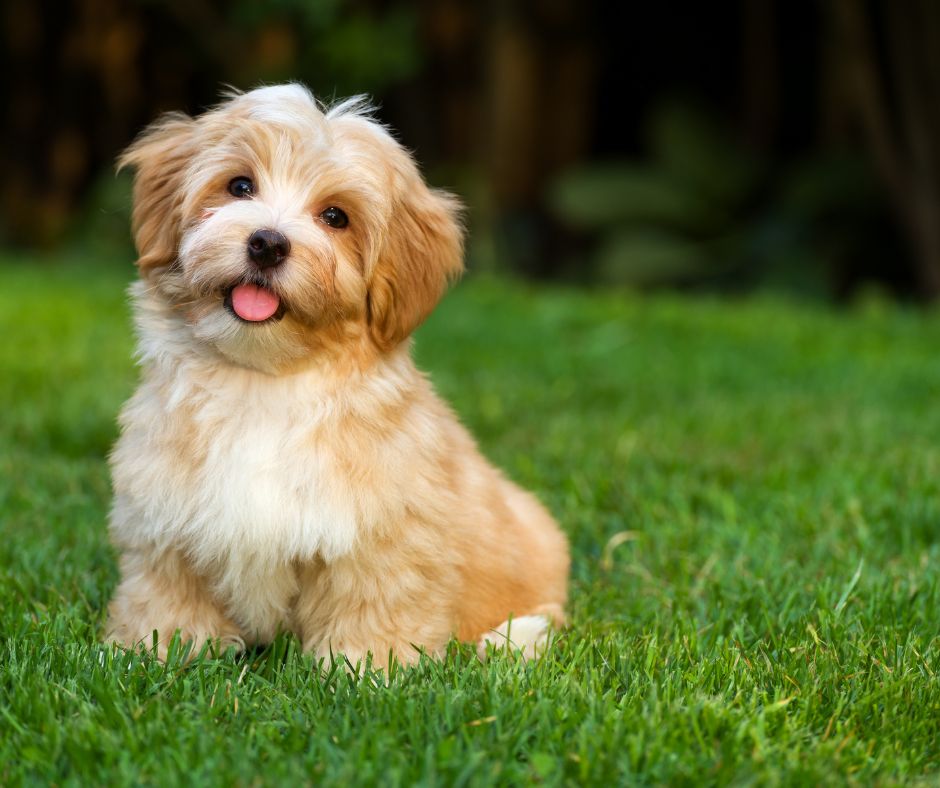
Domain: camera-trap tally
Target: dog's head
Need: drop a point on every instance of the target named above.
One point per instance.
(269, 223)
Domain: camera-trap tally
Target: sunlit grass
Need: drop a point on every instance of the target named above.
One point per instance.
(752, 492)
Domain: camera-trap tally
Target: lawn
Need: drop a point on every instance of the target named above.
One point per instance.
(752, 493)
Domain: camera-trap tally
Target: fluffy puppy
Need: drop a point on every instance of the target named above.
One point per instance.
(283, 465)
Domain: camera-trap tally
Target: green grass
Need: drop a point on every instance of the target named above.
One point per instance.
(751, 489)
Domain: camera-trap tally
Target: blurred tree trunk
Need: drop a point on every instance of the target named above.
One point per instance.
(890, 86)
(69, 102)
(512, 83)
(759, 67)
(81, 78)
(539, 71)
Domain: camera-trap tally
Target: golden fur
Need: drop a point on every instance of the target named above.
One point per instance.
(300, 474)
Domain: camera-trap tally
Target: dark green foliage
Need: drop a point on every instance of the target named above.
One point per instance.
(751, 491)
(702, 208)
(662, 221)
(337, 47)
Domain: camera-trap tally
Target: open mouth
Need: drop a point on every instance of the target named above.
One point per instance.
(251, 302)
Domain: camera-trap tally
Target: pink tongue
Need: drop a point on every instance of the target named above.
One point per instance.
(254, 303)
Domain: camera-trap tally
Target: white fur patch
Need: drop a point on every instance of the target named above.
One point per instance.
(289, 106)
(530, 635)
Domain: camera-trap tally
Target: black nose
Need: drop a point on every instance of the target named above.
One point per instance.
(268, 248)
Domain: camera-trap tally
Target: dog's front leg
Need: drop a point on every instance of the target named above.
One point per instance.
(160, 592)
(358, 607)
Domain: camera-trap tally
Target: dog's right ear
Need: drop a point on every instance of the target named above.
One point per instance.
(159, 157)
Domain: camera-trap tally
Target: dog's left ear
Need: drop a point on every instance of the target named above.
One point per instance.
(421, 254)
(159, 157)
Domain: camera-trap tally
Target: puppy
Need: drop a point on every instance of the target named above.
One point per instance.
(283, 465)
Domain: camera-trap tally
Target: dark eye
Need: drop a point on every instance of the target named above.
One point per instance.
(335, 217)
(241, 187)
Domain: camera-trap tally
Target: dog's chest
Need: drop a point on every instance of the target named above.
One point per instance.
(268, 486)
(241, 479)
(273, 489)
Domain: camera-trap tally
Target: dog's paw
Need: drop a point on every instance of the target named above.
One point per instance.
(191, 642)
(528, 635)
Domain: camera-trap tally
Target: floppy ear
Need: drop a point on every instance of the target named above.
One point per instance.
(421, 255)
(159, 157)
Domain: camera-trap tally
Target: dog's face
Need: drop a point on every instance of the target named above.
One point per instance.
(274, 227)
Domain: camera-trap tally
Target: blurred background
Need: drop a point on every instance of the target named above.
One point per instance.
(791, 145)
